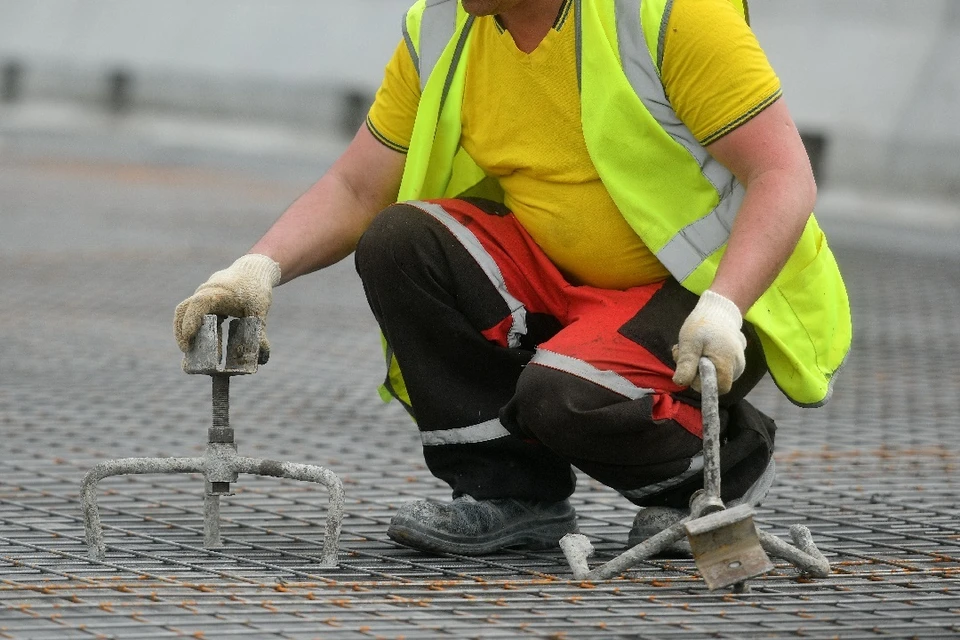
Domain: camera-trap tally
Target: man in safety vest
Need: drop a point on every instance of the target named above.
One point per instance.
(557, 208)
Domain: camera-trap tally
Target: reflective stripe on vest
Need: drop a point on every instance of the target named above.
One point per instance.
(607, 379)
(486, 262)
(438, 24)
(436, 28)
(698, 240)
(687, 250)
(483, 432)
(411, 48)
(684, 216)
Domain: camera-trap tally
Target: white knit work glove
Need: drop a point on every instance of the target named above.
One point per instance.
(711, 330)
(243, 289)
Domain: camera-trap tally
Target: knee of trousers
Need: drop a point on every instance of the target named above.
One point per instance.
(550, 406)
(582, 421)
(395, 237)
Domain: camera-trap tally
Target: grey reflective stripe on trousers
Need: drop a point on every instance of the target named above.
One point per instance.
(476, 250)
(437, 26)
(696, 466)
(688, 249)
(607, 379)
(483, 432)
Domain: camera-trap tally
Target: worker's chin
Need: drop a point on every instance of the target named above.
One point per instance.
(481, 7)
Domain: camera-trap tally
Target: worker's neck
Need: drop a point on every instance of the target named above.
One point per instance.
(529, 22)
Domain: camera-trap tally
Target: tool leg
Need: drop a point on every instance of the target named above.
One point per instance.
(307, 473)
(120, 467)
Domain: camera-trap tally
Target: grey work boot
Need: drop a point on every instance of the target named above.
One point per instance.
(475, 527)
(652, 520)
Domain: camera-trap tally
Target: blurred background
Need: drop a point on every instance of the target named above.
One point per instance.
(874, 85)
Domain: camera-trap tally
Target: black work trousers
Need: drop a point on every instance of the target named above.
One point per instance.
(515, 376)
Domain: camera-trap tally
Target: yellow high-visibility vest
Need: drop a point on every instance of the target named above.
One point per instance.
(683, 203)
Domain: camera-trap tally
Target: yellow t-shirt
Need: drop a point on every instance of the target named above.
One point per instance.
(521, 124)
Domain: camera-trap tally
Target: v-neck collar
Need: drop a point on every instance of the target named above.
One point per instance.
(557, 24)
(545, 46)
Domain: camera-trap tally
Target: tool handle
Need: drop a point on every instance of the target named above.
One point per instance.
(710, 410)
(239, 354)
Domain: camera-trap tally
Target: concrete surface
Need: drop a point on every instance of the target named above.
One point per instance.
(105, 224)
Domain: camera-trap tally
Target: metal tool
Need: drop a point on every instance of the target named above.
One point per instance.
(220, 463)
(726, 545)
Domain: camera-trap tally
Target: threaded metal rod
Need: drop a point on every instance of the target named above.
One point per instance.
(219, 434)
(221, 404)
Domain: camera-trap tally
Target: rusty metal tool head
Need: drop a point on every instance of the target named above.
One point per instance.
(726, 547)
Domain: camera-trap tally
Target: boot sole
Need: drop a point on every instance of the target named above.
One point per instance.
(543, 535)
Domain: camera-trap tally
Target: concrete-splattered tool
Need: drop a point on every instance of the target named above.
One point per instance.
(220, 464)
(724, 542)
(727, 546)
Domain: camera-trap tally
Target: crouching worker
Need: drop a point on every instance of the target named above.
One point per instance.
(557, 208)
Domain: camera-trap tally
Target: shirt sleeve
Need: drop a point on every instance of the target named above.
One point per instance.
(714, 72)
(394, 109)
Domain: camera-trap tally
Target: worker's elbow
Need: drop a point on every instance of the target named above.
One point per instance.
(804, 194)
(809, 192)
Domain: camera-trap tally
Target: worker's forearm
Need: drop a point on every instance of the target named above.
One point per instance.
(320, 228)
(765, 232)
(325, 223)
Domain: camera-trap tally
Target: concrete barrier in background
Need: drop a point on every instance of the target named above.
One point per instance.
(313, 63)
(879, 80)
(874, 86)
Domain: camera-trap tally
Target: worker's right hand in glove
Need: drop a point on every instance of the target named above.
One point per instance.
(243, 289)
(712, 330)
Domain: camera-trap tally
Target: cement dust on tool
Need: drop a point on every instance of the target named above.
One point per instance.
(726, 544)
(220, 464)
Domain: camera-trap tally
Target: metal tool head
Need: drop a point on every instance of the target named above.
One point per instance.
(206, 354)
(726, 547)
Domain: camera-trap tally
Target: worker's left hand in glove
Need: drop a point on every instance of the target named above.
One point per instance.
(712, 330)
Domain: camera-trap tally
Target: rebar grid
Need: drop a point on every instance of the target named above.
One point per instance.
(894, 574)
(873, 474)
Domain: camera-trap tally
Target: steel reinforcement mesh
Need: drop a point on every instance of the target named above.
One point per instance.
(94, 259)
